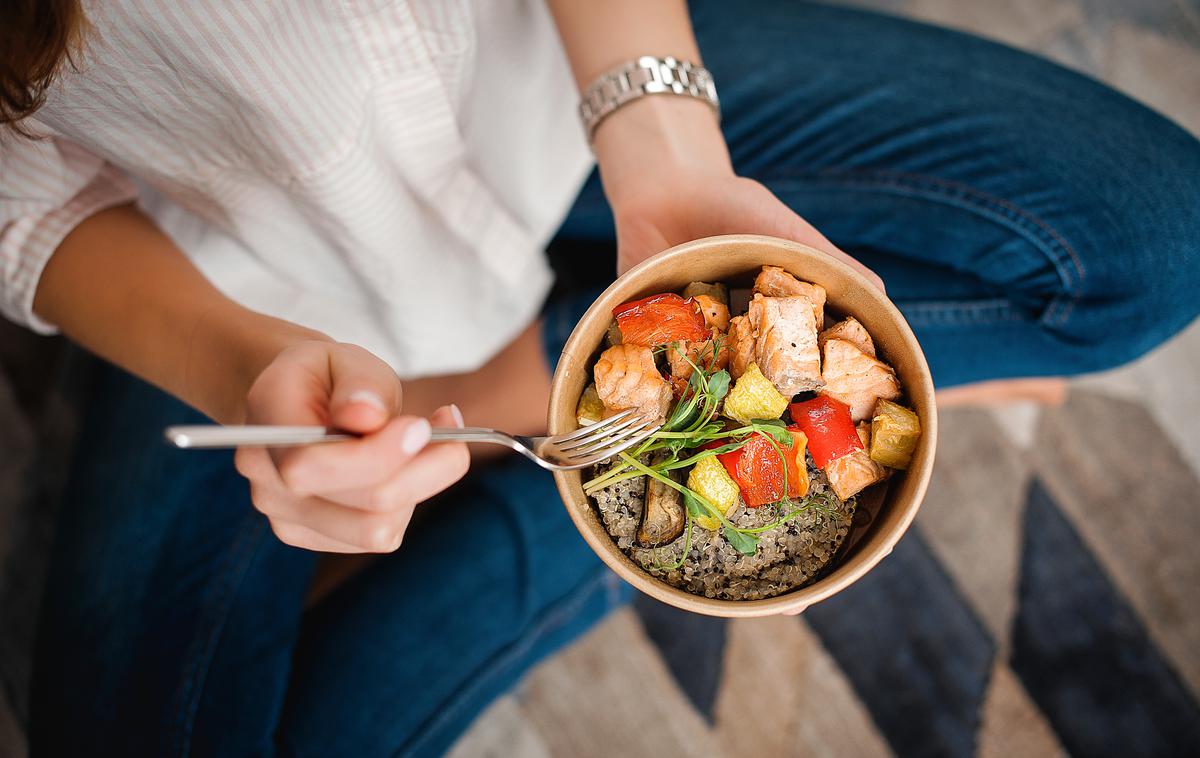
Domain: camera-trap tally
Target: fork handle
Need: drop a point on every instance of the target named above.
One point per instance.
(209, 436)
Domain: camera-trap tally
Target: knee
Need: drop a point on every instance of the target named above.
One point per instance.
(1140, 252)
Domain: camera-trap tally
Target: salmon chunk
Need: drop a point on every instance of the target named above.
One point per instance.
(626, 377)
(716, 312)
(699, 353)
(741, 345)
(857, 379)
(853, 332)
(785, 343)
(773, 281)
(854, 472)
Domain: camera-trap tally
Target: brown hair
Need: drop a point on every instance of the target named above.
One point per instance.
(36, 37)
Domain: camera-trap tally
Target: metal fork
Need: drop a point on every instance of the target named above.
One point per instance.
(578, 449)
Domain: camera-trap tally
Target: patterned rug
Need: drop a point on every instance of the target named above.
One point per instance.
(1044, 603)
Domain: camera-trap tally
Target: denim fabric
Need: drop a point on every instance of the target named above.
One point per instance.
(1028, 221)
(174, 621)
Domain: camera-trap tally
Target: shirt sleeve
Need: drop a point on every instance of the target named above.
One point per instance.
(47, 187)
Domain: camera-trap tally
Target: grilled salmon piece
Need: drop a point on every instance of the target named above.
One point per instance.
(716, 312)
(853, 332)
(857, 379)
(854, 472)
(785, 342)
(741, 345)
(699, 353)
(626, 377)
(773, 281)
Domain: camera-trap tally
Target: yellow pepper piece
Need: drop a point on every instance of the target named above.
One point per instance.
(590, 409)
(710, 480)
(894, 434)
(754, 397)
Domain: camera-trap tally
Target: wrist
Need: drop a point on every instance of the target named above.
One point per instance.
(230, 349)
(658, 137)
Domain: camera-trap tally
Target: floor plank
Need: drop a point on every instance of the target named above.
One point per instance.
(1012, 724)
(971, 514)
(784, 696)
(503, 731)
(1127, 491)
(611, 694)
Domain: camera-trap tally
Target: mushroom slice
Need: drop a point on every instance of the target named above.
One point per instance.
(716, 291)
(662, 515)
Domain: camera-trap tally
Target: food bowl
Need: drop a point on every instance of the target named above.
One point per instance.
(735, 259)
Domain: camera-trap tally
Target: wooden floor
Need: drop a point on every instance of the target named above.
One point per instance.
(1116, 532)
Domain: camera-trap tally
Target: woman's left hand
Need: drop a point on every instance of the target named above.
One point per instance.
(668, 177)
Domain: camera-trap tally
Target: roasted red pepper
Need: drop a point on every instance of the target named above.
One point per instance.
(659, 319)
(758, 469)
(829, 428)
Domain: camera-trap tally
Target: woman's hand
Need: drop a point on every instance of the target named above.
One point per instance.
(345, 497)
(668, 177)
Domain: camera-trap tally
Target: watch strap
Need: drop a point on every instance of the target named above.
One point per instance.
(647, 75)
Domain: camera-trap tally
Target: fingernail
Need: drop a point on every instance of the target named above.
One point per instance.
(367, 397)
(416, 436)
(457, 414)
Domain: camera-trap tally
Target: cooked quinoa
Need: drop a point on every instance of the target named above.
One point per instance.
(788, 556)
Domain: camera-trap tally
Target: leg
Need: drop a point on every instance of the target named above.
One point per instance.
(171, 609)
(492, 577)
(400, 658)
(1027, 220)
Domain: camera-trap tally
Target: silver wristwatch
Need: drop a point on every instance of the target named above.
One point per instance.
(645, 76)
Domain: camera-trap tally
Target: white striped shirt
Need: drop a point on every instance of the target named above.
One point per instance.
(386, 171)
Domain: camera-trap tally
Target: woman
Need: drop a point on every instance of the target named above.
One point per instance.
(275, 213)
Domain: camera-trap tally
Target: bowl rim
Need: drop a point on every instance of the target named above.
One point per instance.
(796, 600)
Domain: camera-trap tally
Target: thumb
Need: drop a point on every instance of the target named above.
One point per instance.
(636, 242)
(366, 392)
(805, 233)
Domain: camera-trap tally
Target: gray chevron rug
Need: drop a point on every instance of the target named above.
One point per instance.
(1045, 603)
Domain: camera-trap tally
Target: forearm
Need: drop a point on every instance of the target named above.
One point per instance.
(599, 35)
(120, 288)
(656, 131)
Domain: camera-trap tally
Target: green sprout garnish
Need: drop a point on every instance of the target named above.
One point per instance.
(692, 424)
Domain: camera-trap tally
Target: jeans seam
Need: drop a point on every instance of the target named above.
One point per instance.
(564, 609)
(1044, 237)
(203, 647)
(975, 312)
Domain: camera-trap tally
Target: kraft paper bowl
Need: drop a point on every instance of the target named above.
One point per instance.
(735, 259)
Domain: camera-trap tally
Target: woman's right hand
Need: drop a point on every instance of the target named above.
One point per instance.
(354, 496)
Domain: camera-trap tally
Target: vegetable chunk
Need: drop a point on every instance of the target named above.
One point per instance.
(590, 410)
(659, 319)
(894, 434)
(710, 480)
(754, 397)
(766, 470)
(827, 424)
(718, 291)
(663, 515)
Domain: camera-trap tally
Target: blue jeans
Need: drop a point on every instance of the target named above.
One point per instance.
(1028, 220)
